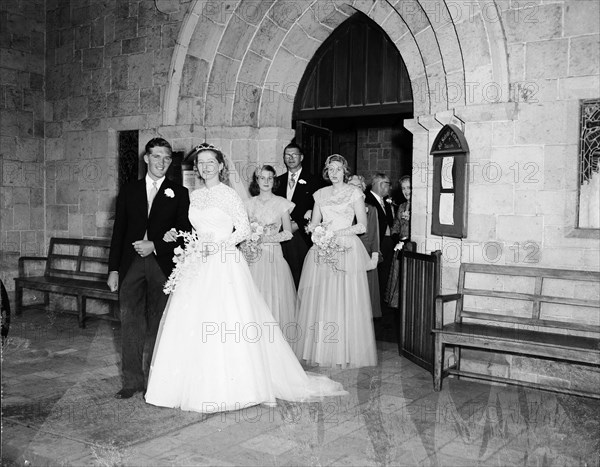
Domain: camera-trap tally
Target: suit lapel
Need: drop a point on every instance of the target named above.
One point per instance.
(159, 198)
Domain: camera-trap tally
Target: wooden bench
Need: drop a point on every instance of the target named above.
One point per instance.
(546, 313)
(75, 267)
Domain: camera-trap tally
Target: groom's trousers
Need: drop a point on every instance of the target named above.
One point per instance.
(142, 302)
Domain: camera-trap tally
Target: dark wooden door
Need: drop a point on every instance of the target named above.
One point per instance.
(316, 143)
(420, 280)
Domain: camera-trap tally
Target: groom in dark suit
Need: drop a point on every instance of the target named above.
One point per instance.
(378, 196)
(298, 186)
(140, 261)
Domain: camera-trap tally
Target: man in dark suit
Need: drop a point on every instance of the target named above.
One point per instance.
(298, 186)
(140, 261)
(378, 196)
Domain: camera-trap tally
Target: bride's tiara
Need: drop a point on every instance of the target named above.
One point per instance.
(206, 145)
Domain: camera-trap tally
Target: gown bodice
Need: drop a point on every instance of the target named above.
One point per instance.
(337, 209)
(269, 212)
(218, 213)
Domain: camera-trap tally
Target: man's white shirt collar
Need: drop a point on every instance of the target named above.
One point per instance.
(149, 182)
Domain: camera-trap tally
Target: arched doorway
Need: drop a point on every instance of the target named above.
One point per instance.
(353, 99)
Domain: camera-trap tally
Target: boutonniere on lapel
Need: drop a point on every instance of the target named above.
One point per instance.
(169, 193)
(389, 201)
(301, 182)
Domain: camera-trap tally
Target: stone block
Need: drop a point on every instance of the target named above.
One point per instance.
(14, 59)
(123, 103)
(245, 108)
(97, 33)
(140, 70)
(75, 225)
(88, 203)
(37, 198)
(284, 14)
(112, 49)
(503, 133)
(82, 36)
(194, 77)
(285, 73)
(561, 257)
(300, 44)
(125, 28)
(89, 225)
(584, 55)
(78, 108)
(482, 226)
(534, 126)
(29, 149)
(37, 218)
(520, 228)
(236, 38)
(547, 59)
(67, 193)
(252, 11)
(119, 73)
(326, 14)
(77, 144)
(150, 100)
(254, 69)
(484, 199)
(526, 202)
(100, 80)
(21, 219)
(93, 58)
(533, 23)
(477, 54)
(581, 17)
(267, 39)
(98, 105)
(395, 28)
(169, 33)
(314, 29)
(556, 158)
(55, 149)
(581, 87)
(134, 46)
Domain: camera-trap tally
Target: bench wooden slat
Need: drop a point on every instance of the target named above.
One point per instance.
(82, 258)
(532, 298)
(529, 321)
(591, 276)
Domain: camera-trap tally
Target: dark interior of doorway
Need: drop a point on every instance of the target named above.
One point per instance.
(372, 144)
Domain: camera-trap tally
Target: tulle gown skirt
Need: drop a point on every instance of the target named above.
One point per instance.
(273, 277)
(335, 325)
(219, 348)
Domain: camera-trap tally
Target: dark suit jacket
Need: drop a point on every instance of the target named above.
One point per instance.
(132, 221)
(385, 218)
(303, 197)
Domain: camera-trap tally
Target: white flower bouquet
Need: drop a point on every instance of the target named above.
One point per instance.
(195, 246)
(328, 245)
(251, 247)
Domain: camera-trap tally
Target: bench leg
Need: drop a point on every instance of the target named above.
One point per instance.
(81, 310)
(18, 300)
(46, 299)
(457, 359)
(438, 363)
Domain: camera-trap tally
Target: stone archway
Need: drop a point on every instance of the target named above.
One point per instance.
(237, 64)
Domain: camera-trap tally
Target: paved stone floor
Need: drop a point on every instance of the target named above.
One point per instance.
(58, 408)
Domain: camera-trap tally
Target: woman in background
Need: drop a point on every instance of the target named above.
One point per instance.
(370, 240)
(272, 275)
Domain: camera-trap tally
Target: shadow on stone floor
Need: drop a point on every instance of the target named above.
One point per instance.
(58, 381)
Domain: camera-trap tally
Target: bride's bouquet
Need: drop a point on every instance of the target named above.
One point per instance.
(327, 243)
(195, 246)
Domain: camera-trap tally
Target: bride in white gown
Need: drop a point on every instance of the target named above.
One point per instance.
(219, 347)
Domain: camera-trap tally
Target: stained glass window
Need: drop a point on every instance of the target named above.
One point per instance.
(589, 170)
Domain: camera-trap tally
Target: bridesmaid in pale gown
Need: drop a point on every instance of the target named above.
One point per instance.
(219, 347)
(334, 312)
(268, 267)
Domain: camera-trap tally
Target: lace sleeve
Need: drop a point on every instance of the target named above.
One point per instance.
(240, 219)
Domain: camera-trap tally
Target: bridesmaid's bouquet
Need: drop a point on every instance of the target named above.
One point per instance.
(327, 243)
(251, 247)
(195, 246)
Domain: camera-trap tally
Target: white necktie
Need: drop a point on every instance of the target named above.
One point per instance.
(292, 181)
(151, 196)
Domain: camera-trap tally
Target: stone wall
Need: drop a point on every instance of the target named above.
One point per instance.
(22, 115)
(106, 70)
(523, 188)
